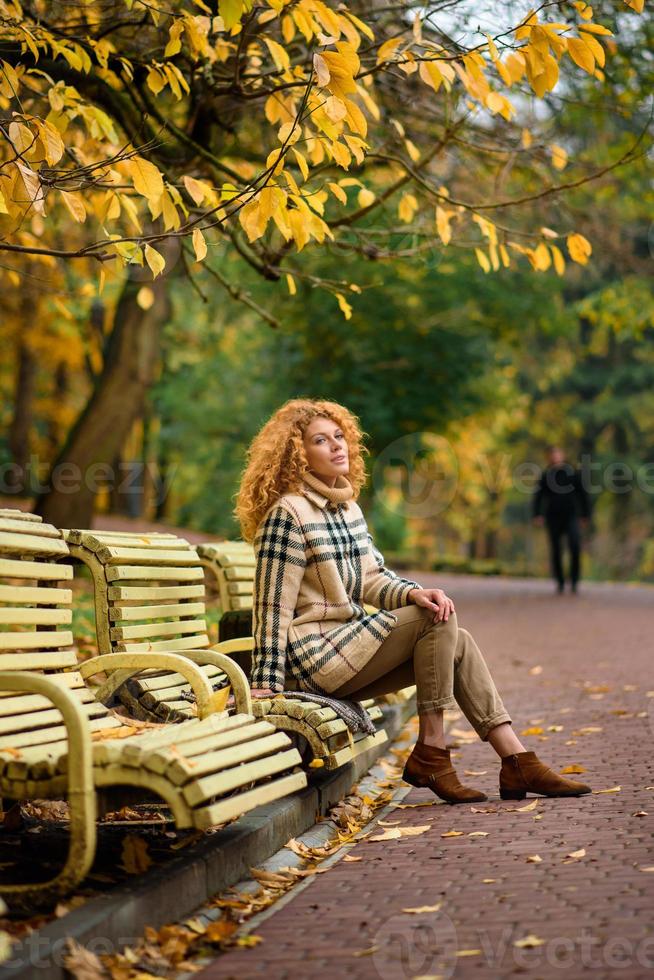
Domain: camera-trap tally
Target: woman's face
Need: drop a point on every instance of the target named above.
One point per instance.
(326, 450)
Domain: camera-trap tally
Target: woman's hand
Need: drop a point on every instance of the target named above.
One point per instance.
(434, 599)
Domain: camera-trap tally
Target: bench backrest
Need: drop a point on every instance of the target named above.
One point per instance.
(231, 565)
(148, 588)
(35, 629)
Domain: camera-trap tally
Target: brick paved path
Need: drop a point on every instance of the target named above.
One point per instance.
(592, 914)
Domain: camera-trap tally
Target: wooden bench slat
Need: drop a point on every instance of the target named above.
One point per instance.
(177, 609)
(32, 641)
(194, 761)
(231, 807)
(201, 790)
(35, 720)
(31, 544)
(55, 734)
(34, 593)
(38, 660)
(198, 642)
(71, 680)
(155, 572)
(116, 593)
(144, 556)
(23, 703)
(45, 571)
(157, 629)
(241, 588)
(33, 616)
(28, 527)
(97, 540)
(21, 515)
(236, 572)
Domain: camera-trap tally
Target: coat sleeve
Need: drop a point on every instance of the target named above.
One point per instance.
(382, 587)
(280, 563)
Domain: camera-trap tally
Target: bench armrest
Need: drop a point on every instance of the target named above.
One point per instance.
(217, 655)
(133, 663)
(80, 746)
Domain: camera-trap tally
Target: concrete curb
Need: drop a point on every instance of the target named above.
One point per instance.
(170, 892)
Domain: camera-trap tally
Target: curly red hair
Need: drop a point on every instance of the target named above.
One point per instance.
(276, 462)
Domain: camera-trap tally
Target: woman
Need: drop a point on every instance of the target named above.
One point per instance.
(316, 568)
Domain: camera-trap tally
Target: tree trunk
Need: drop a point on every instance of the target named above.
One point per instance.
(97, 437)
(21, 421)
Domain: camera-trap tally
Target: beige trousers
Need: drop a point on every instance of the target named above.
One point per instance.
(444, 663)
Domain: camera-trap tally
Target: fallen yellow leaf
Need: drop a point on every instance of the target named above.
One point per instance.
(453, 833)
(613, 789)
(394, 833)
(528, 942)
(577, 854)
(475, 772)
(573, 768)
(488, 881)
(534, 859)
(468, 952)
(478, 833)
(424, 908)
(351, 857)
(536, 730)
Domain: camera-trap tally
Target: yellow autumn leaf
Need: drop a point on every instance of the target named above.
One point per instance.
(145, 297)
(198, 191)
(443, 219)
(388, 49)
(483, 260)
(75, 204)
(146, 177)
(346, 309)
(365, 197)
(452, 833)
(278, 54)
(536, 730)
(135, 857)
(567, 770)
(419, 909)
(3, 204)
(155, 260)
(529, 942)
(578, 854)
(407, 207)
(199, 245)
(579, 248)
(534, 859)
(431, 74)
(612, 789)
(290, 284)
(559, 156)
(581, 54)
(218, 700)
(316, 764)
(231, 12)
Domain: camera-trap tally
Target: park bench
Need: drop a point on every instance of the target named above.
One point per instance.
(229, 567)
(149, 595)
(58, 741)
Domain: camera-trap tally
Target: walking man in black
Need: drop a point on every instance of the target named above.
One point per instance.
(562, 503)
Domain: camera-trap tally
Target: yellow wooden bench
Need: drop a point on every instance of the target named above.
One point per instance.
(57, 741)
(149, 595)
(229, 567)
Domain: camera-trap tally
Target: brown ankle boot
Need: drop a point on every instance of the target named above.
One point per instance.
(523, 772)
(431, 767)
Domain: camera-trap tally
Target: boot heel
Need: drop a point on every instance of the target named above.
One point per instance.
(512, 794)
(411, 780)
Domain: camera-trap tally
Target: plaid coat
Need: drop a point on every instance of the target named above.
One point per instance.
(316, 566)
